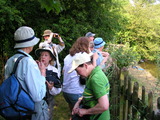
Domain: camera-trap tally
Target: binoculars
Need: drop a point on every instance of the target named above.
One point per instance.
(55, 35)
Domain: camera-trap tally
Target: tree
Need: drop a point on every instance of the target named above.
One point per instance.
(73, 19)
(141, 29)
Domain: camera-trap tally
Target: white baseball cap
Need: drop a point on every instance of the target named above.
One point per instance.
(80, 58)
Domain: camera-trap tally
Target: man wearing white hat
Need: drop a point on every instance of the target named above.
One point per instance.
(30, 74)
(95, 102)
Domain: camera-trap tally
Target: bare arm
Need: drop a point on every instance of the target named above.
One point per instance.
(61, 41)
(50, 38)
(76, 106)
(42, 68)
(103, 105)
(95, 57)
(59, 38)
(106, 56)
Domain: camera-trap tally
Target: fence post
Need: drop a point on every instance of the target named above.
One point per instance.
(142, 106)
(129, 98)
(135, 100)
(121, 94)
(150, 106)
(115, 94)
(118, 88)
(125, 87)
(157, 112)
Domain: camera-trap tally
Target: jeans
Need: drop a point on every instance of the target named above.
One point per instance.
(71, 99)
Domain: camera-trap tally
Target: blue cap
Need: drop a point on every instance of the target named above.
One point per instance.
(98, 42)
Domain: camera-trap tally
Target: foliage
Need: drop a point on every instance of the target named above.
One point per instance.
(158, 66)
(10, 19)
(114, 20)
(124, 55)
(53, 5)
(158, 59)
(141, 29)
(76, 19)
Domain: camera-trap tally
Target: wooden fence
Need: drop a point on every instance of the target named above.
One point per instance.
(127, 104)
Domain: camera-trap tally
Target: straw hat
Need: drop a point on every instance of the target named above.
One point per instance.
(47, 32)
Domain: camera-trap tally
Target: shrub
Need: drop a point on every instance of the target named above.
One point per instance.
(124, 55)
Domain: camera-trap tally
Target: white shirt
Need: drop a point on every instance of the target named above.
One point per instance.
(54, 90)
(57, 49)
(71, 83)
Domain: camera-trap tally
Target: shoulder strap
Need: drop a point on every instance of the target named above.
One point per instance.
(17, 61)
(21, 53)
(16, 64)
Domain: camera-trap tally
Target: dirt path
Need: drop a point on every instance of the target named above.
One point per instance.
(146, 79)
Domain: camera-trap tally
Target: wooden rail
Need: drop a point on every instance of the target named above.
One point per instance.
(128, 103)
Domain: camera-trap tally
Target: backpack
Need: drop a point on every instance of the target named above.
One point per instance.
(15, 102)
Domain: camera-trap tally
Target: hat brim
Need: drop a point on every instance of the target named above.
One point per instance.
(92, 35)
(27, 44)
(74, 65)
(98, 46)
(38, 51)
(72, 69)
(46, 35)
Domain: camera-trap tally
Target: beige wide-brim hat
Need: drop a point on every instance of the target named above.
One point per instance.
(39, 50)
(47, 32)
(25, 37)
(80, 58)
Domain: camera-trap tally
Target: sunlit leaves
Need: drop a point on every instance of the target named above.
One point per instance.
(53, 5)
(142, 28)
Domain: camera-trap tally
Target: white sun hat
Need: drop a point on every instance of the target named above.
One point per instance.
(80, 58)
(48, 49)
(25, 37)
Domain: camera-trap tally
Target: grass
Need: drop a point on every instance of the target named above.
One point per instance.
(61, 109)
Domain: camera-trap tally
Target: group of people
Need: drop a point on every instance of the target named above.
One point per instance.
(85, 87)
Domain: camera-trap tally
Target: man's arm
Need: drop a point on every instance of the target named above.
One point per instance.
(76, 106)
(103, 105)
(95, 57)
(61, 42)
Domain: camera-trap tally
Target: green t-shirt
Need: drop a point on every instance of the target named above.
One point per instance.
(97, 86)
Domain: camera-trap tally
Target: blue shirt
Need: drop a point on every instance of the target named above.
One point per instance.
(29, 75)
(100, 57)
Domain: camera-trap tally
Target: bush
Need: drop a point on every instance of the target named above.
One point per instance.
(124, 55)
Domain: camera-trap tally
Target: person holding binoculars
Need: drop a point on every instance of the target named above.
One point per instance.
(48, 35)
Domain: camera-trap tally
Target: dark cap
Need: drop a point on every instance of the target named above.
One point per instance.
(89, 34)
